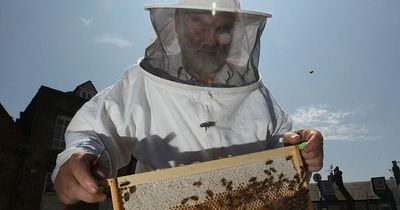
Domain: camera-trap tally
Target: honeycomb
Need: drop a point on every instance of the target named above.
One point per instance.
(266, 180)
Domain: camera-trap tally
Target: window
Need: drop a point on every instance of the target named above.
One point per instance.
(59, 131)
(315, 206)
(372, 206)
(360, 205)
(85, 94)
(385, 207)
(378, 183)
(333, 207)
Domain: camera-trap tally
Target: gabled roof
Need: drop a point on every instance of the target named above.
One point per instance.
(4, 113)
(88, 85)
(10, 134)
(358, 191)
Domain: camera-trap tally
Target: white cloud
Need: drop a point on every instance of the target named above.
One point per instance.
(115, 40)
(334, 125)
(86, 21)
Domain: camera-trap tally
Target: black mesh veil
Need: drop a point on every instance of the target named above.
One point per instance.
(238, 66)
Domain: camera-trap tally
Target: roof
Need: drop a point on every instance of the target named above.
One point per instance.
(4, 113)
(88, 85)
(361, 190)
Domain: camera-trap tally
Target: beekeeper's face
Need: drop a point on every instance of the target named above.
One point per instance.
(204, 40)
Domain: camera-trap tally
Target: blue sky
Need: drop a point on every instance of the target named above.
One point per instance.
(352, 47)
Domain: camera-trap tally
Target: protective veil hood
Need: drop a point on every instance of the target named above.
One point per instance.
(206, 43)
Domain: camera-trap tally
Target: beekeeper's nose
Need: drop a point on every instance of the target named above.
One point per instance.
(210, 38)
(216, 38)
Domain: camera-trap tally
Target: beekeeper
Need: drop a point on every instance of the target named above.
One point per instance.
(197, 95)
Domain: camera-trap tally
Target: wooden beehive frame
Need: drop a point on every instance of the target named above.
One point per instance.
(122, 185)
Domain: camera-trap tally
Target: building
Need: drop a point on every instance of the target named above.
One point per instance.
(43, 124)
(376, 194)
(10, 159)
(29, 148)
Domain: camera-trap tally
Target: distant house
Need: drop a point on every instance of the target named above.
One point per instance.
(10, 159)
(44, 122)
(377, 194)
(30, 145)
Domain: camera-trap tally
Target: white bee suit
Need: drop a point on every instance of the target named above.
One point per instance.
(160, 113)
(158, 122)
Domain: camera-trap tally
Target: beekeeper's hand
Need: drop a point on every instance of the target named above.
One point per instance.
(313, 152)
(75, 180)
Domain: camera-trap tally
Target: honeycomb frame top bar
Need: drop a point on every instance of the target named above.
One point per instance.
(123, 188)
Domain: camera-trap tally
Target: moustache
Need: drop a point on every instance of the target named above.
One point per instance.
(210, 50)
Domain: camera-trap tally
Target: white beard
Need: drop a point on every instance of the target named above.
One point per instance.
(203, 64)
